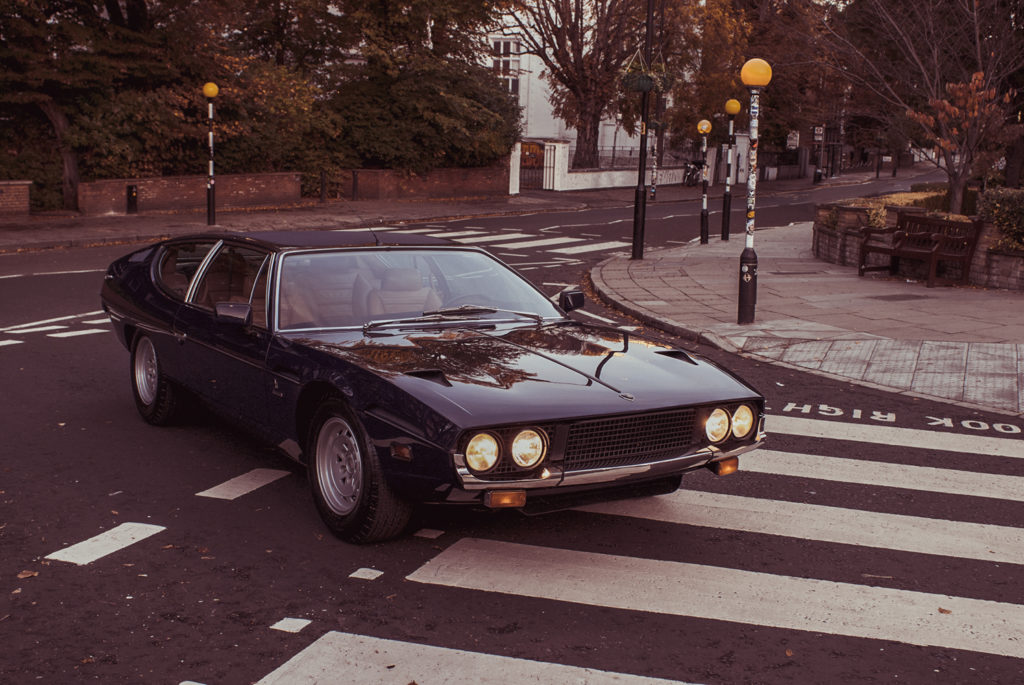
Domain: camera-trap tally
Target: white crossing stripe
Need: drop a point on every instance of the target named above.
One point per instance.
(105, 543)
(37, 329)
(10, 342)
(365, 660)
(897, 437)
(454, 234)
(405, 231)
(20, 328)
(493, 237)
(927, 478)
(709, 592)
(244, 484)
(75, 334)
(1001, 544)
(593, 247)
(540, 242)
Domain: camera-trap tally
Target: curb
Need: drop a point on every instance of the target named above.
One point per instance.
(716, 341)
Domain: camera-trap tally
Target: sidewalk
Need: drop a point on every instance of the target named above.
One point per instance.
(959, 345)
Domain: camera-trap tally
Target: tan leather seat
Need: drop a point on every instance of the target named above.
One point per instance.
(402, 291)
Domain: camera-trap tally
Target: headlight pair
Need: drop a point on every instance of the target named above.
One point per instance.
(527, 448)
(720, 423)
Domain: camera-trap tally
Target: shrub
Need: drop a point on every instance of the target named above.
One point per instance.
(1004, 207)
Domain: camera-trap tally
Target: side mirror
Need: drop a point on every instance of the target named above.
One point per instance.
(238, 313)
(569, 300)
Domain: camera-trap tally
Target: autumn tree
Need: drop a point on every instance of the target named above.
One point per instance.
(584, 45)
(943, 66)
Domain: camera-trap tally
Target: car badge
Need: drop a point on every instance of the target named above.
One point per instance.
(627, 396)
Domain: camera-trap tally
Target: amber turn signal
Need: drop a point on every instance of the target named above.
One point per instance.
(500, 499)
(725, 466)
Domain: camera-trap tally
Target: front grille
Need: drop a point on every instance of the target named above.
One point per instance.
(627, 440)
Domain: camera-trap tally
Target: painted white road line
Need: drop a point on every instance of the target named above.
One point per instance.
(1000, 544)
(492, 238)
(105, 543)
(10, 342)
(291, 625)
(407, 231)
(363, 660)
(96, 322)
(593, 247)
(67, 273)
(540, 242)
(897, 437)
(75, 334)
(38, 329)
(927, 478)
(33, 324)
(244, 484)
(454, 234)
(724, 594)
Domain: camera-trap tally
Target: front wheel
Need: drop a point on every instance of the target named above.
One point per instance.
(155, 396)
(349, 488)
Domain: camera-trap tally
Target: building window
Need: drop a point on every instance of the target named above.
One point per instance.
(505, 62)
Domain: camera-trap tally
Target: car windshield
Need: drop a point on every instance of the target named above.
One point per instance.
(354, 288)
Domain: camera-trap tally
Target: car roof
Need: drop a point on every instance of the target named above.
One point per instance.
(359, 237)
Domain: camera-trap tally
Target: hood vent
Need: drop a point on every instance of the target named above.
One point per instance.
(433, 375)
(677, 354)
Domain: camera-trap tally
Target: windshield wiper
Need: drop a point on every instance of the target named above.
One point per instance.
(447, 314)
(471, 309)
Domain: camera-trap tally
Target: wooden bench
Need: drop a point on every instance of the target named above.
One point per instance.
(931, 240)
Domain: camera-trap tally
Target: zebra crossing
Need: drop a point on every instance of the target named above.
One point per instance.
(979, 618)
(509, 241)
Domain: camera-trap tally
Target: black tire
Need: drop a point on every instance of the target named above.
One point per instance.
(155, 396)
(349, 488)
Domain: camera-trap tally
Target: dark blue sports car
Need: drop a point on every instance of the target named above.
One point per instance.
(415, 370)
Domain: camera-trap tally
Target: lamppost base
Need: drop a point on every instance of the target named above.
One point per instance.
(639, 217)
(748, 286)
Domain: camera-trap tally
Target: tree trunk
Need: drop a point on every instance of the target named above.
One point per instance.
(586, 155)
(1015, 163)
(69, 158)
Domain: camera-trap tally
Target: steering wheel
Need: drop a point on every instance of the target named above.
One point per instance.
(468, 298)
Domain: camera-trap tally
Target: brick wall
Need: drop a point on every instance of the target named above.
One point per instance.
(14, 197)
(170, 193)
(388, 184)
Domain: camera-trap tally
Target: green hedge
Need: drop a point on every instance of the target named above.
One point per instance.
(1004, 207)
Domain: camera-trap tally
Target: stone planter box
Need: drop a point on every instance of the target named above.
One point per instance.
(836, 239)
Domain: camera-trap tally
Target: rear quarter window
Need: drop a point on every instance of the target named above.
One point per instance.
(177, 264)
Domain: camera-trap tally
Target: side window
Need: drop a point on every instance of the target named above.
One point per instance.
(232, 277)
(177, 264)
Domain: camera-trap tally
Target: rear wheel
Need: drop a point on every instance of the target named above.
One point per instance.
(155, 396)
(349, 488)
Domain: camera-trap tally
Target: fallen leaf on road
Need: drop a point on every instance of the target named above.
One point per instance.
(945, 611)
(789, 652)
(27, 574)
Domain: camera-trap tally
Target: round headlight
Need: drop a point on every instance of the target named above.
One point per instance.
(742, 421)
(482, 452)
(717, 425)
(528, 448)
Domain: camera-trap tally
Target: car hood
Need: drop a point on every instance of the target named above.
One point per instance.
(510, 373)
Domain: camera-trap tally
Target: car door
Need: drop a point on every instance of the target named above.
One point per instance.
(226, 352)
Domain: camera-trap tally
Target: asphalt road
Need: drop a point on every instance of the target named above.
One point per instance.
(878, 538)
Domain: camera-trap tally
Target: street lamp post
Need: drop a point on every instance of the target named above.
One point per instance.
(210, 90)
(704, 128)
(640, 199)
(756, 74)
(732, 108)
